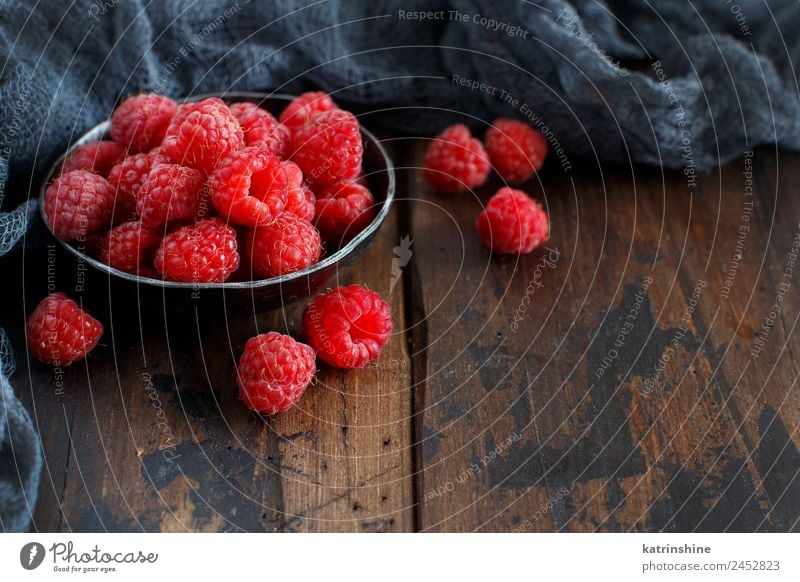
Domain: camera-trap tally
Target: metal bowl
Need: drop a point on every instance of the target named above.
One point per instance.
(262, 293)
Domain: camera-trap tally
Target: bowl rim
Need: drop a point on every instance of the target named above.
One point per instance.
(101, 130)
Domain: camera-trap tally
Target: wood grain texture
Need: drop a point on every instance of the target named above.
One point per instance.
(606, 383)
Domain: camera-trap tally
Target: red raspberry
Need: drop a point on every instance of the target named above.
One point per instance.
(516, 150)
(127, 246)
(348, 326)
(262, 129)
(201, 134)
(140, 122)
(60, 333)
(127, 177)
(78, 204)
(97, 157)
(286, 246)
(274, 371)
(328, 148)
(512, 223)
(455, 161)
(303, 108)
(202, 253)
(169, 193)
(342, 211)
(249, 187)
(300, 200)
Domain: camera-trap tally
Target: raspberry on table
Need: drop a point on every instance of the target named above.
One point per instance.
(305, 106)
(201, 134)
(78, 204)
(288, 245)
(328, 148)
(97, 157)
(262, 129)
(274, 371)
(60, 333)
(249, 187)
(348, 327)
(140, 122)
(129, 246)
(205, 252)
(342, 211)
(455, 161)
(300, 199)
(512, 223)
(127, 177)
(169, 193)
(516, 150)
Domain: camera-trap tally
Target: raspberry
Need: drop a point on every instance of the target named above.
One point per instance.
(262, 129)
(512, 223)
(127, 177)
(78, 204)
(328, 148)
(455, 161)
(97, 157)
(249, 187)
(300, 199)
(201, 134)
(128, 245)
(274, 371)
(170, 192)
(516, 150)
(303, 108)
(348, 326)
(342, 211)
(202, 253)
(60, 333)
(288, 245)
(140, 122)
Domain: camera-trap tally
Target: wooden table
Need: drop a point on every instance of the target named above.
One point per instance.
(612, 383)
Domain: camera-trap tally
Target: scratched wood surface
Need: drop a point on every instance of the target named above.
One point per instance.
(628, 377)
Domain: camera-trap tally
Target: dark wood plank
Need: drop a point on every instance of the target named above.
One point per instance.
(608, 439)
(149, 434)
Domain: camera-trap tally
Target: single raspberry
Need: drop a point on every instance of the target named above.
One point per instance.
(169, 193)
(304, 107)
(202, 253)
(128, 246)
(201, 134)
(249, 187)
(60, 333)
(455, 161)
(97, 157)
(516, 150)
(512, 223)
(262, 129)
(328, 148)
(127, 178)
(78, 204)
(348, 326)
(140, 122)
(300, 200)
(342, 211)
(274, 371)
(288, 245)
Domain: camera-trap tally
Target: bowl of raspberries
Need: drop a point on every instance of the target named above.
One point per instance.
(263, 195)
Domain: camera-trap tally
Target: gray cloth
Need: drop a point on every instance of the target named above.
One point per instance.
(723, 81)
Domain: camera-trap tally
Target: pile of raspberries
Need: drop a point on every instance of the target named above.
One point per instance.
(512, 222)
(204, 192)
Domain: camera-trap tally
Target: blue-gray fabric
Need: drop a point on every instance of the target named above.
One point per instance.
(723, 81)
